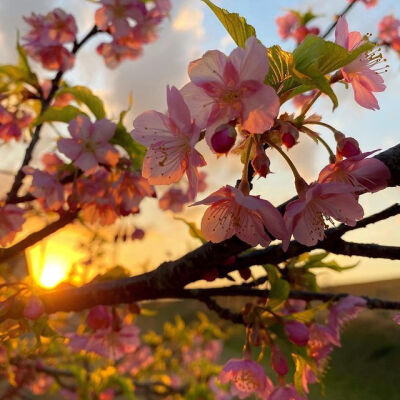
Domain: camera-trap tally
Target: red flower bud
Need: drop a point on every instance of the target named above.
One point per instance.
(278, 361)
(34, 308)
(348, 147)
(245, 273)
(297, 332)
(290, 134)
(261, 162)
(211, 275)
(99, 318)
(223, 139)
(288, 140)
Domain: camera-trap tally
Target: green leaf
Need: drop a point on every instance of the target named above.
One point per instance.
(59, 114)
(236, 25)
(280, 69)
(315, 57)
(194, 231)
(84, 95)
(280, 288)
(135, 150)
(308, 315)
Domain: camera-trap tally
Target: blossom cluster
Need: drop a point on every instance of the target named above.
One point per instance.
(46, 40)
(388, 31)
(293, 25)
(248, 377)
(131, 24)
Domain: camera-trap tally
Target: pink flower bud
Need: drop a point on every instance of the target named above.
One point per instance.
(223, 139)
(297, 332)
(278, 361)
(99, 318)
(261, 162)
(290, 134)
(34, 308)
(288, 140)
(348, 147)
(138, 234)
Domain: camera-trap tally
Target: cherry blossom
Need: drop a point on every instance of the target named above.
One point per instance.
(396, 319)
(117, 51)
(89, 143)
(247, 217)
(129, 190)
(141, 358)
(302, 99)
(365, 174)
(173, 199)
(115, 14)
(11, 221)
(368, 3)
(109, 343)
(170, 140)
(287, 392)
(297, 332)
(360, 73)
(34, 308)
(46, 188)
(247, 376)
(225, 88)
(388, 28)
(44, 42)
(287, 24)
(345, 310)
(306, 217)
(99, 317)
(11, 126)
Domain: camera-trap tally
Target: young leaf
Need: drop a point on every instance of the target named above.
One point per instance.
(280, 288)
(84, 95)
(59, 114)
(280, 69)
(236, 25)
(135, 150)
(194, 231)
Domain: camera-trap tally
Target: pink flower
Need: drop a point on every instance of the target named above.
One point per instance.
(173, 199)
(34, 308)
(89, 144)
(359, 73)
(11, 125)
(223, 89)
(52, 163)
(396, 319)
(129, 190)
(365, 174)
(117, 51)
(247, 217)
(56, 27)
(297, 332)
(346, 310)
(306, 217)
(302, 31)
(96, 197)
(11, 221)
(134, 362)
(46, 188)
(109, 343)
(247, 376)
(116, 14)
(44, 42)
(388, 28)
(302, 99)
(99, 317)
(170, 141)
(368, 3)
(287, 392)
(322, 341)
(287, 24)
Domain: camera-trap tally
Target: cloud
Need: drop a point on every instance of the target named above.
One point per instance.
(189, 19)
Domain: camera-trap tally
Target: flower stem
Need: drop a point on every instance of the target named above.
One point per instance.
(244, 183)
(310, 103)
(287, 159)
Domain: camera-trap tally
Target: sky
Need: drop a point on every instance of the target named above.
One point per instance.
(191, 30)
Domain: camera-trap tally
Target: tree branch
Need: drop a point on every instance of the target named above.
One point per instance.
(343, 13)
(20, 175)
